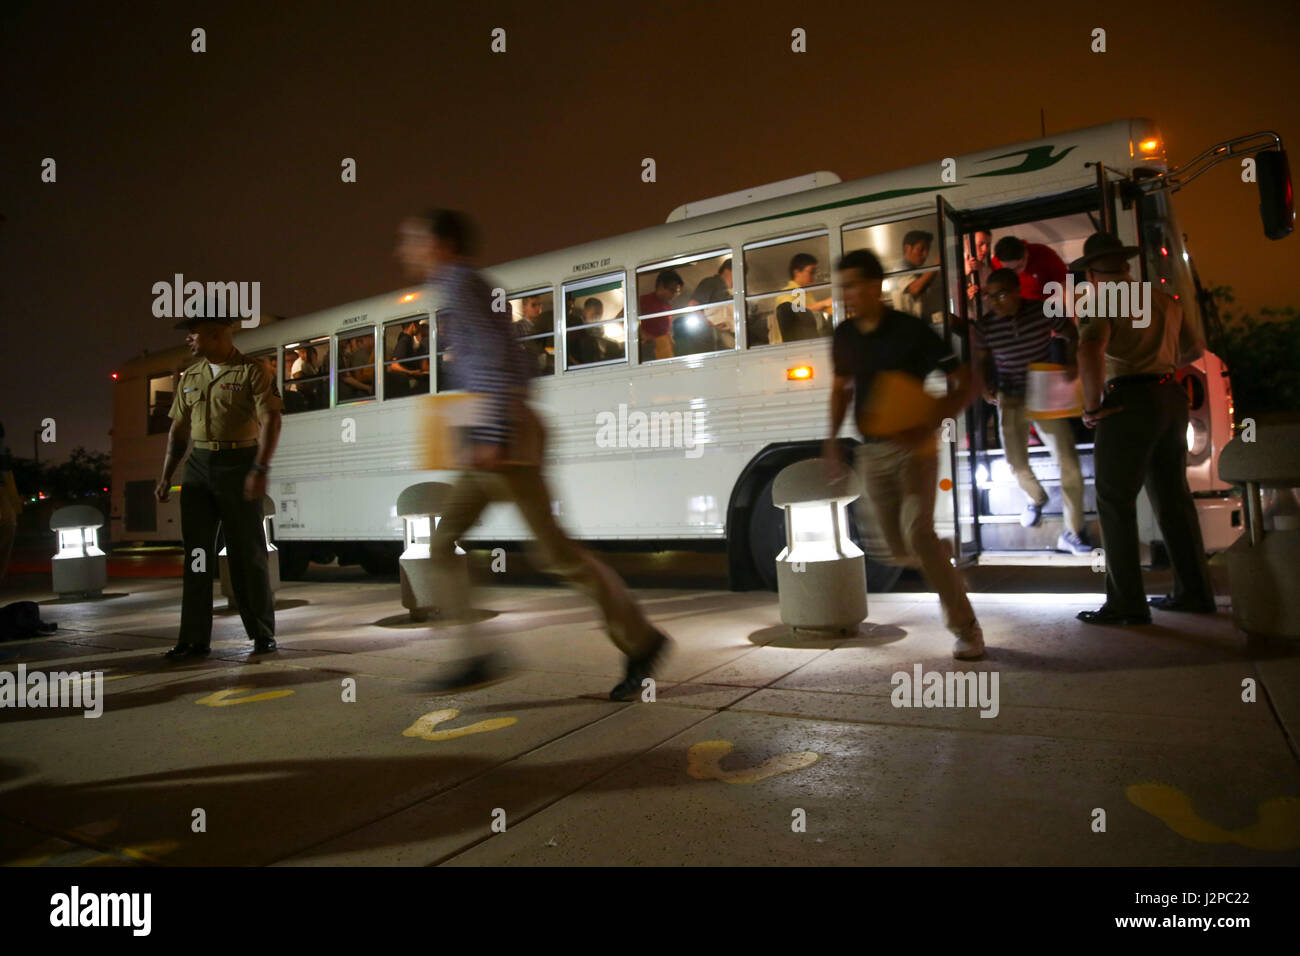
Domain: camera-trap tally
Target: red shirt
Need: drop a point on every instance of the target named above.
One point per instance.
(653, 328)
(1042, 266)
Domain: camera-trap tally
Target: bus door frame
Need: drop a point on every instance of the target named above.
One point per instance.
(952, 228)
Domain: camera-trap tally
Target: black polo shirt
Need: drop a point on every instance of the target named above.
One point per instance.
(899, 343)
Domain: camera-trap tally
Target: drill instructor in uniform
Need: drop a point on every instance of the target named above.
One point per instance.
(1141, 421)
(231, 406)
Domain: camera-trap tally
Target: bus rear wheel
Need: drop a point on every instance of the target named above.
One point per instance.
(767, 539)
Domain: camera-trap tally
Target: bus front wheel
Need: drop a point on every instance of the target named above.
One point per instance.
(767, 539)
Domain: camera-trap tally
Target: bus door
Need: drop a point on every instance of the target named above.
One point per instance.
(956, 510)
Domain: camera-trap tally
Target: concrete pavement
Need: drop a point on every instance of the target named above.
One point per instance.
(1108, 746)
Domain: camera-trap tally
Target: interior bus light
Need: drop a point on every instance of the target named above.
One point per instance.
(799, 373)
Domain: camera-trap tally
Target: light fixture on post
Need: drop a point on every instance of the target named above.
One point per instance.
(821, 574)
(1262, 562)
(272, 558)
(420, 507)
(80, 568)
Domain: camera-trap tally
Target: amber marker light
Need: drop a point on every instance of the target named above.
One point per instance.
(799, 373)
(410, 297)
(1149, 145)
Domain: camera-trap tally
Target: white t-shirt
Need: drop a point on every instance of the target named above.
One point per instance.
(216, 369)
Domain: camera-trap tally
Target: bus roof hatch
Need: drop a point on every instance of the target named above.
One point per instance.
(743, 197)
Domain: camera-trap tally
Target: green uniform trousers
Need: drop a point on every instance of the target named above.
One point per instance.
(1146, 445)
(212, 493)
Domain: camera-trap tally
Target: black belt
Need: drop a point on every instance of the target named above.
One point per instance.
(1152, 379)
(225, 445)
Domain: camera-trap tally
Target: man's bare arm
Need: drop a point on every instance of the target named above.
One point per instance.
(178, 439)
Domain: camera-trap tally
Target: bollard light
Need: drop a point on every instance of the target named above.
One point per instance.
(272, 558)
(821, 574)
(79, 567)
(1262, 562)
(423, 580)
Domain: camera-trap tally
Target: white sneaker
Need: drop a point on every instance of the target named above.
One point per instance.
(970, 645)
(1072, 543)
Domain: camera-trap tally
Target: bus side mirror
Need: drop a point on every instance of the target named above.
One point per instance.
(1276, 199)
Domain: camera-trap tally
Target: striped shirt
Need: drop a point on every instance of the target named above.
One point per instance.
(485, 354)
(1017, 341)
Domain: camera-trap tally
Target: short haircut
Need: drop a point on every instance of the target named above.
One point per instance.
(864, 260)
(725, 266)
(454, 227)
(668, 278)
(801, 261)
(1009, 249)
(593, 301)
(917, 235)
(1003, 277)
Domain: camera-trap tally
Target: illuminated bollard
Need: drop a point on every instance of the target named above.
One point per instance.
(1262, 562)
(821, 575)
(420, 507)
(272, 558)
(80, 568)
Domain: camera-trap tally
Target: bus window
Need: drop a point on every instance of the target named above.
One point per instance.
(162, 389)
(909, 254)
(532, 315)
(406, 357)
(778, 274)
(444, 356)
(307, 370)
(356, 370)
(596, 309)
(685, 306)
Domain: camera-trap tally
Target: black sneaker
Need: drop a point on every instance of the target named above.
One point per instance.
(639, 668)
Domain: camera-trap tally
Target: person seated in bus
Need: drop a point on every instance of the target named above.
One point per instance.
(800, 323)
(588, 345)
(756, 326)
(531, 324)
(656, 333)
(407, 373)
(1012, 336)
(918, 293)
(714, 288)
(1035, 263)
(357, 369)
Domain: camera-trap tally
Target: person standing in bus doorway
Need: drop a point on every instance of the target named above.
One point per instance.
(1141, 421)
(1014, 335)
(230, 404)
(900, 474)
(506, 451)
(1035, 264)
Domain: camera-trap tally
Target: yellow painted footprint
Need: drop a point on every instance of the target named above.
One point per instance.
(704, 762)
(1277, 827)
(227, 698)
(423, 728)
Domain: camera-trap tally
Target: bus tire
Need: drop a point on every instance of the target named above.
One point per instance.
(767, 539)
(294, 558)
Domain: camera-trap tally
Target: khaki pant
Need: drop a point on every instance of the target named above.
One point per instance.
(524, 485)
(1013, 425)
(900, 486)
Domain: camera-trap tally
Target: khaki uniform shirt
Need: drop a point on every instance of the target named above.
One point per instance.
(1170, 341)
(228, 407)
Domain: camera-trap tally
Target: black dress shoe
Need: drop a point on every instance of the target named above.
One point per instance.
(1105, 615)
(476, 670)
(183, 651)
(639, 668)
(264, 645)
(1167, 603)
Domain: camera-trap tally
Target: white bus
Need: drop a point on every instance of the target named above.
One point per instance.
(679, 448)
